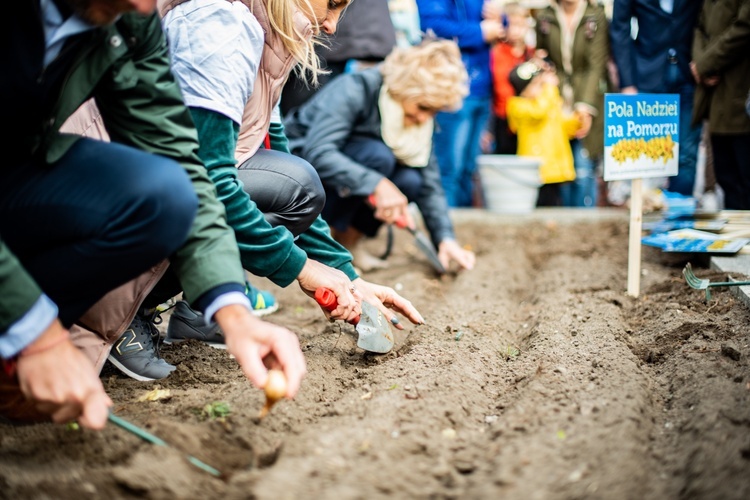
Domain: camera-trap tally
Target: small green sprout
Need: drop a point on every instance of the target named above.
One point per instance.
(511, 352)
(216, 410)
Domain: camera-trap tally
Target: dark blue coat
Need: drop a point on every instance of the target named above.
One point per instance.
(643, 62)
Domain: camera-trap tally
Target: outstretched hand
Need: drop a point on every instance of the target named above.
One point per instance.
(259, 346)
(387, 300)
(62, 381)
(449, 251)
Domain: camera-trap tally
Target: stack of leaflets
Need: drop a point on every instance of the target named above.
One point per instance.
(692, 240)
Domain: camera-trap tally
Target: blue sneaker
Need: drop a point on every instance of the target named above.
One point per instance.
(263, 302)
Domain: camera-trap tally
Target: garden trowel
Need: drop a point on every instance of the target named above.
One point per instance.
(374, 331)
(424, 245)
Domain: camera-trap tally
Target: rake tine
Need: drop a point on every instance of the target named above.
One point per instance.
(693, 280)
(704, 284)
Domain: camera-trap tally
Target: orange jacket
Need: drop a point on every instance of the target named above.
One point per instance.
(502, 60)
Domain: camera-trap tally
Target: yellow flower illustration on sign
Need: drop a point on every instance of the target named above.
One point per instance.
(655, 148)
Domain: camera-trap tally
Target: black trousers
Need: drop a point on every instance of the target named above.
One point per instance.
(97, 218)
(732, 169)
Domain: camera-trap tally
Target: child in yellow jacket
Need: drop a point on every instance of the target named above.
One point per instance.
(536, 115)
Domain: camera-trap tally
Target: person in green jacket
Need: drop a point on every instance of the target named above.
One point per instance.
(80, 217)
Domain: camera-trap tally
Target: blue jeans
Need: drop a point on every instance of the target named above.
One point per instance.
(583, 190)
(457, 147)
(100, 216)
(690, 137)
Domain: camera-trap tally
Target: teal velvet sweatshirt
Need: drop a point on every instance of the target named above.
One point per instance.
(265, 250)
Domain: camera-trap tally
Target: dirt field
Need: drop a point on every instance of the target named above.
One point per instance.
(535, 377)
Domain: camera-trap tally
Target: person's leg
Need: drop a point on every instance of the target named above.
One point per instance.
(478, 115)
(506, 142)
(99, 217)
(285, 188)
(451, 135)
(690, 137)
(341, 212)
(732, 169)
(408, 180)
(351, 217)
(582, 192)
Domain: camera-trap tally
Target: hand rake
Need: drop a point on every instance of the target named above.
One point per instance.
(704, 284)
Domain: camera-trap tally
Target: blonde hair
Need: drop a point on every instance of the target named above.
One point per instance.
(301, 47)
(515, 9)
(431, 73)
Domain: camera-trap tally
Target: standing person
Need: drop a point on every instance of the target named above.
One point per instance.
(574, 36)
(103, 212)
(458, 132)
(721, 67)
(657, 61)
(369, 135)
(544, 128)
(364, 36)
(506, 55)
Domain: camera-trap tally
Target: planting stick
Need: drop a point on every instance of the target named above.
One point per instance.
(634, 244)
(146, 436)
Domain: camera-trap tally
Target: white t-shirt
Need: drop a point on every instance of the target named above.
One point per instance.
(216, 47)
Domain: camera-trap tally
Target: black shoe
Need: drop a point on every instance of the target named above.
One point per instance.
(136, 352)
(187, 324)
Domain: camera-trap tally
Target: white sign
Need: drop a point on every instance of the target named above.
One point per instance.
(641, 135)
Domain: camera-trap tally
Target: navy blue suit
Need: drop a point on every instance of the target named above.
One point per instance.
(657, 61)
(644, 62)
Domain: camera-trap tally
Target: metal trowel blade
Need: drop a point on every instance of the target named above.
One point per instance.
(374, 330)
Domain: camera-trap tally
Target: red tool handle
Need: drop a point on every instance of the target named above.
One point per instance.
(400, 222)
(327, 300)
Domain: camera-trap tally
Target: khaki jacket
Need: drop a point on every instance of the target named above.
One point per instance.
(581, 62)
(720, 48)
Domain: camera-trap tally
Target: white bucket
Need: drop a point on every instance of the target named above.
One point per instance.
(510, 183)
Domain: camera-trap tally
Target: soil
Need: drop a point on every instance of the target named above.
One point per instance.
(536, 376)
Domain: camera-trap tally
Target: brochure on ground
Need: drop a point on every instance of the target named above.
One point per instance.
(692, 240)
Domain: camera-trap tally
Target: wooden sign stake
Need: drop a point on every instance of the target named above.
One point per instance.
(634, 243)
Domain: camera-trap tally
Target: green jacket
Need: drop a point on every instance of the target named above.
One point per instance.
(720, 48)
(126, 69)
(587, 71)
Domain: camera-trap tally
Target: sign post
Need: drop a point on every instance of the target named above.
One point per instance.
(641, 139)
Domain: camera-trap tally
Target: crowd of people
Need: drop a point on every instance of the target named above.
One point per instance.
(168, 150)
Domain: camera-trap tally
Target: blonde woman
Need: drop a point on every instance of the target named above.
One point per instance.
(231, 60)
(369, 136)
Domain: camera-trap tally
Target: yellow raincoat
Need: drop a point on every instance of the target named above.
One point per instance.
(543, 132)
